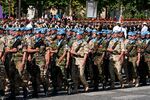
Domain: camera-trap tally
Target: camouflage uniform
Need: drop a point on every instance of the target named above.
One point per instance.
(115, 65)
(79, 59)
(32, 68)
(22, 75)
(132, 53)
(143, 68)
(40, 61)
(2, 70)
(147, 55)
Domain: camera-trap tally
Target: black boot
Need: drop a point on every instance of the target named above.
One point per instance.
(25, 93)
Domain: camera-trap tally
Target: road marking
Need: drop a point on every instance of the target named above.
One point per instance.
(135, 89)
(98, 93)
(129, 97)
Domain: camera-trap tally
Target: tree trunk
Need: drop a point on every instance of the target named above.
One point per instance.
(70, 7)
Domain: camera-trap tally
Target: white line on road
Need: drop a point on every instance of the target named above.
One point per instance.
(98, 93)
(135, 89)
(129, 97)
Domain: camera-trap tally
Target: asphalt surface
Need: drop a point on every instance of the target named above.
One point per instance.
(138, 93)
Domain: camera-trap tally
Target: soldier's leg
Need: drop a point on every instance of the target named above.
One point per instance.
(118, 67)
(134, 71)
(126, 71)
(21, 78)
(148, 64)
(30, 69)
(2, 79)
(53, 71)
(143, 71)
(44, 79)
(82, 77)
(95, 77)
(112, 72)
(75, 77)
(12, 78)
(106, 71)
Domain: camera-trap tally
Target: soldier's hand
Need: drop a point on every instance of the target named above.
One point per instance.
(6, 50)
(110, 50)
(37, 49)
(3, 60)
(25, 50)
(138, 62)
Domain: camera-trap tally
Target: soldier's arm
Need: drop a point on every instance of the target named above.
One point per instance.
(72, 51)
(30, 50)
(122, 51)
(62, 57)
(68, 59)
(85, 58)
(109, 49)
(47, 57)
(13, 50)
(24, 55)
(1, 50)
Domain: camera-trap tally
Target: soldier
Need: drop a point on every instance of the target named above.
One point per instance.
(147, 52)
(80, 52)
(33, 70)
(39, 60)
(116, 48)
(143, 68)
(2, 67)
(12, 47)
(93, 68)
(62, 56)
(42, 60)
(133, 54)
(19, 59)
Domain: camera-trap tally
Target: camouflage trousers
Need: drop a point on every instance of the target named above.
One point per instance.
(43, 78)
(132, 68)
(98, 61)
(78, 73)
(16, 80)
(115, 68)
(2, 76)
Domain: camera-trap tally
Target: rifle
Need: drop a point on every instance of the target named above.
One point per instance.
(115, 44)
(79, 46)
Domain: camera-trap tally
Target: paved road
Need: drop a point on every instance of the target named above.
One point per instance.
(139, 93)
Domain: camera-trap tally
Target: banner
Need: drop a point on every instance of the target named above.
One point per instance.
(91, 7)
(1, 11)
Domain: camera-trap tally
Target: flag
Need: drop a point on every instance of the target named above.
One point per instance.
(1, 11)
(121, 19)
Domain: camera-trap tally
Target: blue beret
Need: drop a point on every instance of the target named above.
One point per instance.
(109, 31)
(61, 32)
(116, 31)
(100, 32)
(53, 28)
(79, 32)
(145, 33)
(88, 30)
(131, 33)
(94, 31)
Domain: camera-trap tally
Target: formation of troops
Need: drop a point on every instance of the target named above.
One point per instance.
(64, 55)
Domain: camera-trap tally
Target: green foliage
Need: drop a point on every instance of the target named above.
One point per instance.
(131, 8)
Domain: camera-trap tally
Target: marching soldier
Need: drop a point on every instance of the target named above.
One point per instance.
(12, 66)
(133, 54)
(38, 59)
(143, 68)
(116, 48)
(80, 52)
(147, 52)
(33, 70)
(2, 67)
(62, 57)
